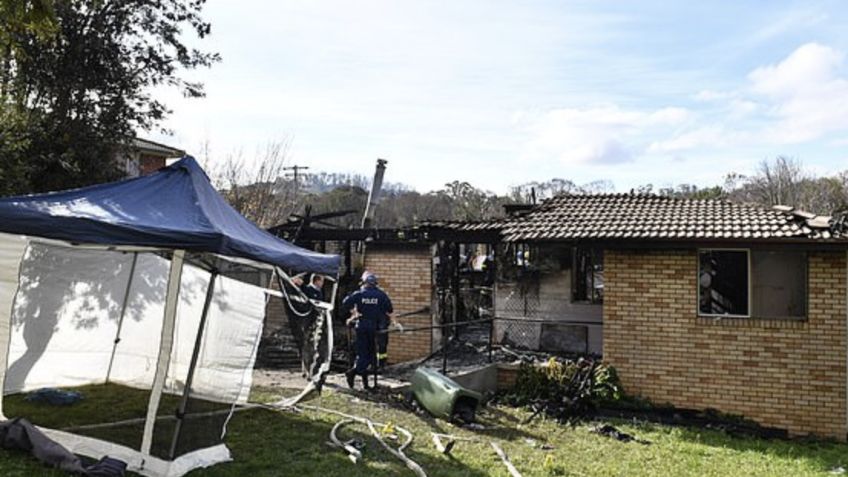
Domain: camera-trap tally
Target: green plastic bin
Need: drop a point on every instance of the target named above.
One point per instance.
(442, 396)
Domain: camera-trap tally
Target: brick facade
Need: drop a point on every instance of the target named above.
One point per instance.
(405, 273)
(149, 164)
(780, 373)
(275, 314)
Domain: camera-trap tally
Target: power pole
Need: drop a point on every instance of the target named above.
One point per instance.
(294, 175)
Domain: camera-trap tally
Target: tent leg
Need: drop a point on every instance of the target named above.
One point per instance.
(165, 347)
(195, 355)
(123, 313)
(335, 291)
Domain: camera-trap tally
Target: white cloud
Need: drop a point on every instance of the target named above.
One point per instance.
(581, 135)
(806, 97)
(671, 116)
(696, 138)
(711, 95)
(604, 134)
(785, 22)
(796, 100)
(739, 108)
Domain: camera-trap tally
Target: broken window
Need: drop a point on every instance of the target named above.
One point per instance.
(723, 282)
(760, 283)
(588, 275)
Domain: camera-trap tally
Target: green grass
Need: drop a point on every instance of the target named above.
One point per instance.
(269, 443)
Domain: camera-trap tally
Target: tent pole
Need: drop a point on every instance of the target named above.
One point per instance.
(121, 318)
(165, 346)
(335, 291)
(195, 355)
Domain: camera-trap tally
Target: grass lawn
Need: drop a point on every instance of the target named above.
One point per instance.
(269, 443)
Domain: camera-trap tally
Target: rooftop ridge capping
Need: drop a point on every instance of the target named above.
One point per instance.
(660, 197)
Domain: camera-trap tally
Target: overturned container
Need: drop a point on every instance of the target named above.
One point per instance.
(442, 396)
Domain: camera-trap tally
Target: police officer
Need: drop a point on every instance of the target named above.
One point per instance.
(314, 290)
(372, 305)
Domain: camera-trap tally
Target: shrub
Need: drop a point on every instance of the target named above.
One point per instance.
(565, 389)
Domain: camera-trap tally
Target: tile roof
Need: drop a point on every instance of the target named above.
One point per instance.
(653, 217)
(466, 226)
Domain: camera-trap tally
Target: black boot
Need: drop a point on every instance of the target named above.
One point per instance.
(365, 384)
(350, 375)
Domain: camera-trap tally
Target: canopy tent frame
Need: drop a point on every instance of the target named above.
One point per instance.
(195, 354)
(165, 348)
(124, 305)
(141, 460)
(140, 216)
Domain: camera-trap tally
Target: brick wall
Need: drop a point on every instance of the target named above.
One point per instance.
(507, 376)
(275, 313)
(405, 274)
(785, 374)
(149, 164)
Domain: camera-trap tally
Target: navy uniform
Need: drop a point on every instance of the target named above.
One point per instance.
(314, 289)
(312, 292)
(373, 306)
(382, 341)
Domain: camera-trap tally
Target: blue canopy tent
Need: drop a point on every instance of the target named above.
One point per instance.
(171, 213)
(175, 208)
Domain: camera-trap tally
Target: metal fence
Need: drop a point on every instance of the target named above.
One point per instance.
(483, 325)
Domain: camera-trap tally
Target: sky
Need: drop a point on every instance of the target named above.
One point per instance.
(499, 93)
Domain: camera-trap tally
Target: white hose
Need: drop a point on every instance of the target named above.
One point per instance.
(411, 464)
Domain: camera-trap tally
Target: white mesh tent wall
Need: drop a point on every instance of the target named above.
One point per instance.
(81, 267)
(63, 308)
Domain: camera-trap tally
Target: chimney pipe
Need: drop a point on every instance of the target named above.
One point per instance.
(374, 193)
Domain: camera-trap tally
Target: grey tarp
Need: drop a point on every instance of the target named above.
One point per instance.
(20, 434)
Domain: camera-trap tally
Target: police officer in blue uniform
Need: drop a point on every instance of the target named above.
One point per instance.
(372, 306)
(314, 290)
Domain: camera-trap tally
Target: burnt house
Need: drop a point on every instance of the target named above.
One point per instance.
(702, 304)
(697, 303)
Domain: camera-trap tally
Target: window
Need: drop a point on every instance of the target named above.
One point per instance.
(759, 283)
(588, 275)
(779, 284)
(723, 282)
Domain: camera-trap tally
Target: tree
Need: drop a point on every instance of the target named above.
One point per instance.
(692, 191)
(784, 181)
(470, 203)
(77, 80)
(781, 181)
(255, 186)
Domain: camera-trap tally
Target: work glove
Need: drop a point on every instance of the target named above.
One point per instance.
(399, 327)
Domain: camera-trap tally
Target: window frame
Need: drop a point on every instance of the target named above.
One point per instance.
(594, 254)
(698, 283)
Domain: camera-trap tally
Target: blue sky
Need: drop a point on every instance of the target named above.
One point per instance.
(502, 92)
